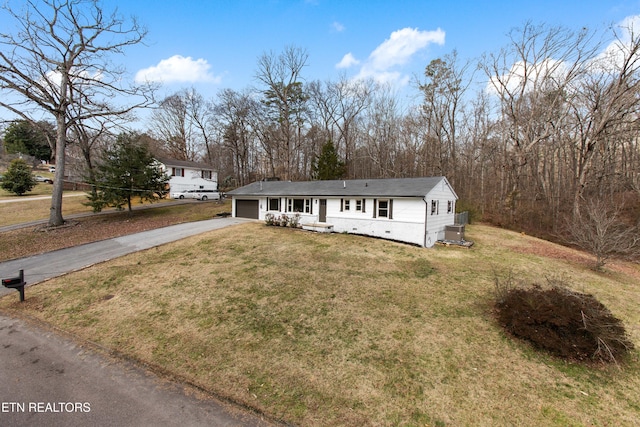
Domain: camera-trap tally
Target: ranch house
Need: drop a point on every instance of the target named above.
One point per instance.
(411, 210)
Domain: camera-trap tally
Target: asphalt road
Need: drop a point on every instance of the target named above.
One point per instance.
(46, 379)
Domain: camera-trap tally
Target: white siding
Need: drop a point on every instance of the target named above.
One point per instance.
(407, 222)
(436, 223)
(305, 218)
(192, 181)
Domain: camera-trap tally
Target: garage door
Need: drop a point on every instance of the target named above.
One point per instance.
(247, 209)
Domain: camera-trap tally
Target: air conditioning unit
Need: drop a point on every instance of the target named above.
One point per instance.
(454, 232)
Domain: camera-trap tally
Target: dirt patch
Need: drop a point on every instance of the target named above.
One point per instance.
(554, 251)
(567, 324)
(573, 256)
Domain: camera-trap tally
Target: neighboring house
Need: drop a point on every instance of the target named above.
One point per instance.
(185, 175)
(412, 210)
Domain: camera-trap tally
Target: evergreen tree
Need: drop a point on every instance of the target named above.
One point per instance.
(128, 171)
(24, 137)
(18, 179)
(327, 165)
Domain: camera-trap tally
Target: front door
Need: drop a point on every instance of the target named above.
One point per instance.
(322, 214)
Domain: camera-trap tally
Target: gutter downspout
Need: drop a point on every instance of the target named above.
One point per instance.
(426, 215)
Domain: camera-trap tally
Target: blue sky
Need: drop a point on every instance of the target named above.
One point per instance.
(215, 44)
(211, 45)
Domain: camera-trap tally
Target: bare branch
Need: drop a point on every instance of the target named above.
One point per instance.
(59, 61)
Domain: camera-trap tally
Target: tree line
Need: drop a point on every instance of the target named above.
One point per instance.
(529, 136)
(552, 124)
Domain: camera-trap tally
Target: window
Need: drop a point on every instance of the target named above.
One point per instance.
(347, 204)
(434, 207)
(177, 172)
(299, 205)
(359, 205)
(206, 174)
(273, 204)
(450, 206)
(383, 208)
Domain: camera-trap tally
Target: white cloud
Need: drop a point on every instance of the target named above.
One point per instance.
(630, 25)
(347, 61)
(53, 79)
(402, 45)
(526, 76)
(613, 56)
(523, 76)
(337, 27)
(397, 51)
(179, 69)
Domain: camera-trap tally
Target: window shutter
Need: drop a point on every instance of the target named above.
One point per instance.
(375, 207)
(311, 206)
(390, 208)
(341, 205)
(363, 205)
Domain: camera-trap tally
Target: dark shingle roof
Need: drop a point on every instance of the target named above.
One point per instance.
(395, 187)
(184, 164)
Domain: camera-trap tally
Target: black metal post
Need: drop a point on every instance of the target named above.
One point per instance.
(21, 287)
(16, 283)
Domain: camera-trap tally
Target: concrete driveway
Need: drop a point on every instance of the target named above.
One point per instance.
(48, 379)
(52, 264)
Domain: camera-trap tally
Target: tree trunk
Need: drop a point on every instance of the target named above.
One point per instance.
(55, 214)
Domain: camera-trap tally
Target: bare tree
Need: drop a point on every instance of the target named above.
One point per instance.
(90, 140)
(605, 110)
(92, 137)
(478, 180)
(533, 78)
(322, 107)
(598, 228)
(354, 97)
(60, 55)
(381, 135)
(285, 99)
(182, 122)
(443, 89)
(339, 106)
(233, 113)
(201, 113)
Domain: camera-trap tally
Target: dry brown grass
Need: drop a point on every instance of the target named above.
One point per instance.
(34, 208)
(319, 329)
(31, 208)
(38, 239)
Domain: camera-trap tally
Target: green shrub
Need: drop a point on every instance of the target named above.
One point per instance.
(18, 179)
